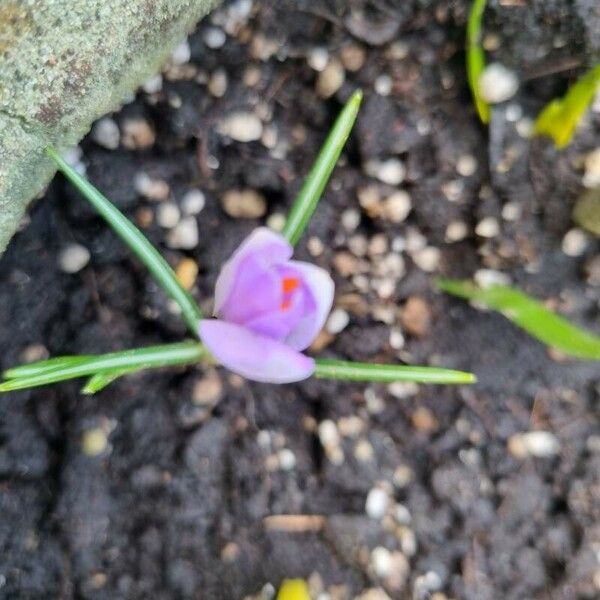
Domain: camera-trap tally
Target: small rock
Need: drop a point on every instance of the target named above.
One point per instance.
(330, 79)
(337, 321)
(94, 442)
(276, 221)
(498, 83)
(466, 165)
(242, 127)
(377, 503)
(487, 278)
(488, 227)
(456, 231)
(218, 83)
(540, 444)
(574, 243)
(363, 451)
(381, 562)
(73, 258)
(350, 219)
(318, 59)
(137, 134)
(373, 594)
(168, 215)
(153, 85)
(34, 353)
(208, 390)
(106, 133)
(399, 570)
(186, 273)
(151, 188)
(383, 85)
(287, 459)
(403, 389)
(591, 176)
(244, 204)
(395, 208)
(391, 171)
(181, 54)
(193, 202)
(415, 316)
(184, 236)
(353, 57)
(328, 433)
(424, 420)
(512, 211)
(427, 259)
(214, 37)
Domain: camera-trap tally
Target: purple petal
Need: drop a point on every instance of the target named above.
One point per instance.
(319, 284)
(268, 248)
(252, 355)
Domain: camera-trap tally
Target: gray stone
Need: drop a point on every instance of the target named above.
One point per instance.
(65, 63)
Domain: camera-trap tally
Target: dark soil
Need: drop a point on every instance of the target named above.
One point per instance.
(180, 504)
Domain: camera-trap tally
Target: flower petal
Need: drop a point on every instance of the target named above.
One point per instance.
(254, 356)
(268, 247)
(319, 284)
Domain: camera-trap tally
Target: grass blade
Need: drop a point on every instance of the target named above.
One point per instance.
(312, 190)
(43, 366)
(476, 58)
(183, 353)
(100, 380)
(353, 371)
(560, 117)
(530, 315)
(136, 241)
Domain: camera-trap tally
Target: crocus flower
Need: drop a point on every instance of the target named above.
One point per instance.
(269, 308)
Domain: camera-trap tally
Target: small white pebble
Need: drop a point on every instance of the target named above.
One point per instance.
(287, 459)
(524, 127)
(244, 204)
(397, 207)
(318, 58)
(456, 231)
(381, 561)
(391, 171)
(106, 133)
(94, 442)
(363, 451)
(73, 258)
(466, 165)
(153, 85)
(193, 202)
(487, 278)
(575, 242)
(540, 444)
(403, 389)
(350, 219)
(591, 176)
(383, 85)
(214, 37)
(315, 246)
(184, 236)
(337, 321)
(168, 215)
(488, 227)
(427, 259)
(151, 188)
(330, 79)
(377, 503)
(402, 514)
(512, 211)
(242, 127)
(276, 221)
(514, 112)
(397, 340)
(498, 83)
(218, 83)
(181, 54)
(328, 434)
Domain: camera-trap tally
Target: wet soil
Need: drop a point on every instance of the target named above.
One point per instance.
(183, 502)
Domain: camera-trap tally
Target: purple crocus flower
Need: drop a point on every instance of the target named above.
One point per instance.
(269, 309)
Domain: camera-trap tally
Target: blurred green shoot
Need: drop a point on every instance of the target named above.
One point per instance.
(530, 315)
(136, 241)
(293, 589)
(560, 117)
(476, 58)
(312, 190)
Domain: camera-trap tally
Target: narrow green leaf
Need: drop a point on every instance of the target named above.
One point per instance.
(530, 315)
(166, 355)
(136, 241)
(312, 190)
(100, 380)
(43, 366)
(352, 371)
(476, 58)
(560, 117)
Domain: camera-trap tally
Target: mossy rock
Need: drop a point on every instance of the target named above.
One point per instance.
(65, 63)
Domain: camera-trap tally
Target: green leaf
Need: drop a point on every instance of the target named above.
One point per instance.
(476, 58)
(560, 117)
(136, 241)
(100, 380)
(530, 315)
(115, 363)
(43, 366)
(353, 371)
(312, 190)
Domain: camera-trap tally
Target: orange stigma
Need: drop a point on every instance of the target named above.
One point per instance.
(288, 285)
